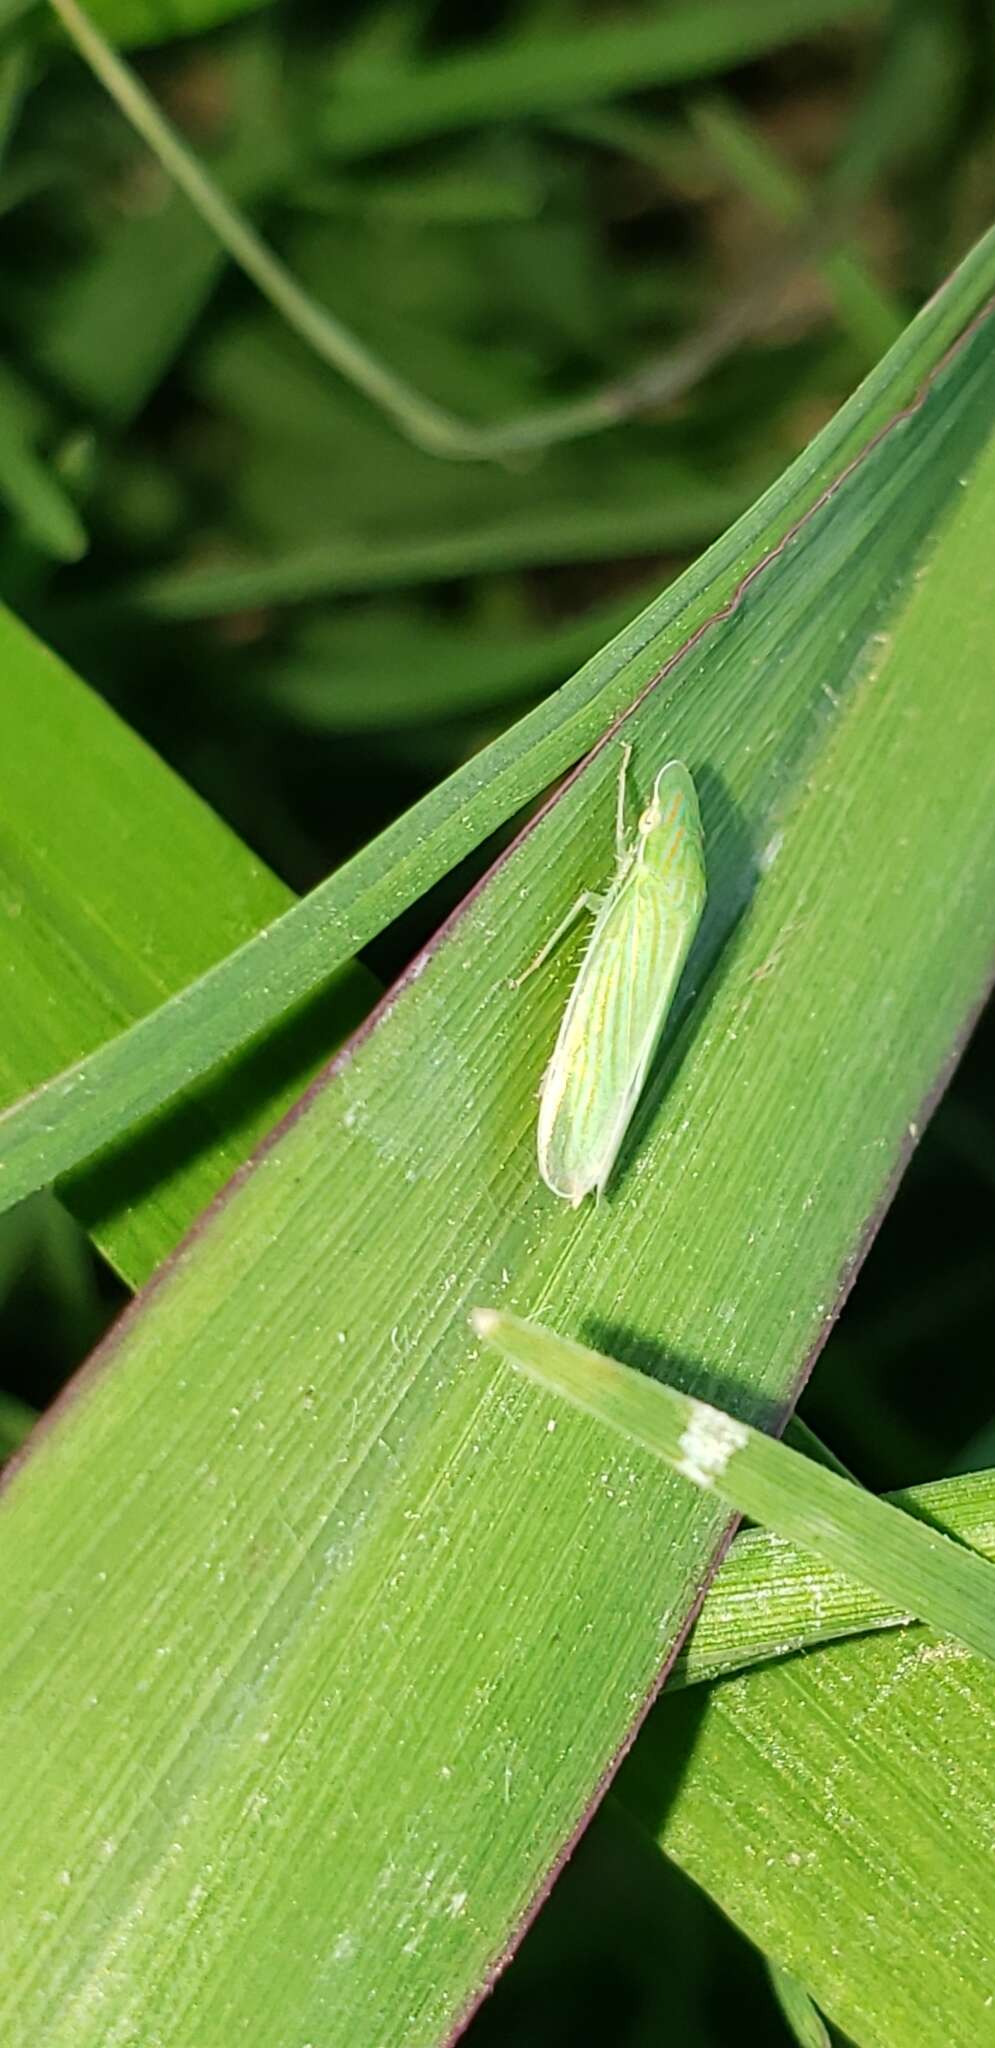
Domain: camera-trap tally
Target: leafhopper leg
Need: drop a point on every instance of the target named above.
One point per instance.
(590, 902)
(621, 849)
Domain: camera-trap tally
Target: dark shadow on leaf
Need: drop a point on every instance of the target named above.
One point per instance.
(229, 1103)
(692, 1375)
(652, 1774)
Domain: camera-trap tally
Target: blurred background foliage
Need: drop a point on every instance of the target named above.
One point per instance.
(313, 620)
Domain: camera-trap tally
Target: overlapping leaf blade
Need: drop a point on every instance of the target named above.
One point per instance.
(839, 1810)
(134, 1074)
(322, 1568)
(117, 882)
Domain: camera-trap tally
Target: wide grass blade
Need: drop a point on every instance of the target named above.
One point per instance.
(837, 1806)
(115, 1086)
(289, 1564)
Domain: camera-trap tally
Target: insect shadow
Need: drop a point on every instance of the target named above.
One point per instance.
(733, 871)
(679, 1369)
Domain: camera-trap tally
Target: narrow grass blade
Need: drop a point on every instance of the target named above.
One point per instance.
(16, 1423)
(116, 883)
(909, 1564)
(803, 2018)
(38, 501)
(864, 307)
(537, 74)
(687, 508)
(770, 1598)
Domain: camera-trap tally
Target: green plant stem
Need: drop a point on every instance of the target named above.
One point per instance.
(424, 422)
(430, 426)
(870, 315)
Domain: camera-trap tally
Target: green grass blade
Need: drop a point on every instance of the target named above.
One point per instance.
(341, 673)
(84, 336)
(134, 22)
(770, 1598)
(115, 1086)
(686, 510)
(909, 1565)
(117, 883)
(864, 308)
(542, 74)
(291, 1563)
(802, 2017)
(34, 496)
(16, 1423)
(798, 1434)
(39, 504)
(837, 1807)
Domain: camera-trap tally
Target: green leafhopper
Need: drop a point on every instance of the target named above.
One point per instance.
(642, 934)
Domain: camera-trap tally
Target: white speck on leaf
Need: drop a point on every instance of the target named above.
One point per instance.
(708, 1442)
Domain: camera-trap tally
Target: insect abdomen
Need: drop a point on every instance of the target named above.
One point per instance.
(624, 990)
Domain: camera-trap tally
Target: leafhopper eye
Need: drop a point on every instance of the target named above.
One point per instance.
(642, 934)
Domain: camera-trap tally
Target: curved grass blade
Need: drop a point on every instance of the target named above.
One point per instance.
(114, 886)
(100, 1098)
